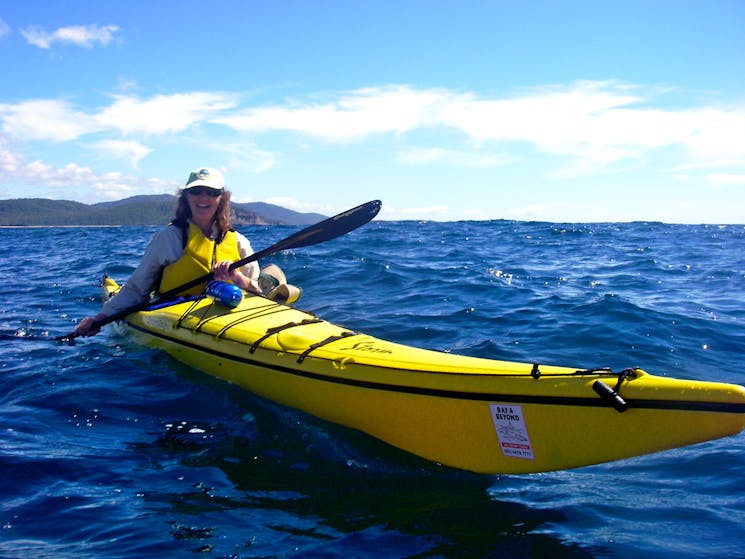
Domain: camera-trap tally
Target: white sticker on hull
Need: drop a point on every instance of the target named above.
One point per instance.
(509, 423)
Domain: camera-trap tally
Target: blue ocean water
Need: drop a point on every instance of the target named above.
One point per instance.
(112, 450)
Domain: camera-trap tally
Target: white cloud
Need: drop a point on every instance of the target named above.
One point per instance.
(45, 119)
(419, 156)
(599, 124)
(4, 28)
(121, 149)
(10, 162)
(38, 172)
(73, 178)
(81, 35)
(353, 116)
(550, 118)
(596, 124)
(593, 124)
(246, 155)
(716, 136)
(163, 113)
(585, 127)
(58, 120)
(726, 179)
(458, 158)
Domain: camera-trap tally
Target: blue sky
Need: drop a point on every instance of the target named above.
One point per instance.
(444, 110)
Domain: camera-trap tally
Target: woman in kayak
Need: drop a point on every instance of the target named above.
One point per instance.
(199, 240)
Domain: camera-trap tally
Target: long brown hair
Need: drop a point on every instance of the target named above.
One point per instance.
(222, 215)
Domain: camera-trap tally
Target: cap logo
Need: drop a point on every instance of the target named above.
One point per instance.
(205, 176)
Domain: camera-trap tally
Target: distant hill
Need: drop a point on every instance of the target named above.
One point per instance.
(156, 209)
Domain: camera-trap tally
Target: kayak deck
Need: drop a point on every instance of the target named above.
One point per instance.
(466, 412)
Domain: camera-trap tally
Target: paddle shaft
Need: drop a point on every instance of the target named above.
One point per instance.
(323, 231)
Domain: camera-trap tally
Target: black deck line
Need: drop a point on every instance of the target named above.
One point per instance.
(686, 405)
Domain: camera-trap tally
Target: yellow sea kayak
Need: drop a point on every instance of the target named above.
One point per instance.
(470, 413)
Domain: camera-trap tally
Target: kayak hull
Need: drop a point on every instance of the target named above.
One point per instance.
(470, 413)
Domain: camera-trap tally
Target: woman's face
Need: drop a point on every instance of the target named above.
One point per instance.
(202, 205)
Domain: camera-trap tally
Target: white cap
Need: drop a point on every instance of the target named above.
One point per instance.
(205, 176)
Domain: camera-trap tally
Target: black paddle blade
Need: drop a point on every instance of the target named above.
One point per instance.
(335, 226)
(320, 232)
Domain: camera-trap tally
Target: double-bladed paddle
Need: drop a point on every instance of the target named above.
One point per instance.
(320, 232)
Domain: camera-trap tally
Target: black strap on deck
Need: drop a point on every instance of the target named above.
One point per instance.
(277, 329)
(322, 343)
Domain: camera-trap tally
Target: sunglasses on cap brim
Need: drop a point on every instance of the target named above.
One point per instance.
(199, 190)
